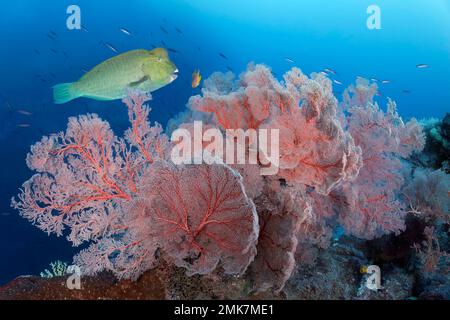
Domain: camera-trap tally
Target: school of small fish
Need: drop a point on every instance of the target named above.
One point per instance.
(165, 29)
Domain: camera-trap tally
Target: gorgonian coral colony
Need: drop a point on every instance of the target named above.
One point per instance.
(340, 165)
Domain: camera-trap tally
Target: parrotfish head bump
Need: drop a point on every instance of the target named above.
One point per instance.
(160, 68)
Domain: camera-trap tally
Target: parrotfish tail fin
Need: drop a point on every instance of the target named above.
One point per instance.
(65, 92)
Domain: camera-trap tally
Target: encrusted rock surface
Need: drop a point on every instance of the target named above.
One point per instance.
(336, 276)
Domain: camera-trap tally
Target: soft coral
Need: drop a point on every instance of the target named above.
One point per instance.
(125, 197)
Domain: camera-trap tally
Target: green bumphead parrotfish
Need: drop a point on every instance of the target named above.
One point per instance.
(141, 70)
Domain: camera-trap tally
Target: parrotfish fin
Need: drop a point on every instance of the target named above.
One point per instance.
(137, 83)
(65, 92)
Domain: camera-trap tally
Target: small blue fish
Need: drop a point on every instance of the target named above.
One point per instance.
(25, 112)
(422, 66)
(111, 47)
(125, 31)
(164, 30)
(328, 70)
(52, 35)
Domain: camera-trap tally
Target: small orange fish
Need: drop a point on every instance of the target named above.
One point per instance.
(196, 79)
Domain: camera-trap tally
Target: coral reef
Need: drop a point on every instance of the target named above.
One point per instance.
(341, 166)
(57, 269)
(334, 276)
(437, 150)
(119, 194)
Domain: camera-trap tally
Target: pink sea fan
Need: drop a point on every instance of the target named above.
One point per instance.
(128, 251)
(126, 256)
(86, 175)
(375, 130)
(372, 205)
(252, 179)
(315, 232)
(294, 80)
(198, 217)
(427, 194)
(313, 156)
(314, 149)
(370, 213)
(281, 213)
(219, 83)
(148, 139)
(360, 94)
(84, 178)
(252, 99)
(203, 217)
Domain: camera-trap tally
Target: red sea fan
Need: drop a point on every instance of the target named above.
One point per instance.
(84, 178)
(314, 149)
(313, 156)
(244, 104)
(197, 216)
(370, 213)
(86, 175)
(361, 94)
(149, 140)
(204, 217)
(125, 255)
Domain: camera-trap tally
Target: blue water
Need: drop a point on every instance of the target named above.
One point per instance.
(316, 34)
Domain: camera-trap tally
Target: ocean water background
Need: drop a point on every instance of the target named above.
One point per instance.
(315, 34)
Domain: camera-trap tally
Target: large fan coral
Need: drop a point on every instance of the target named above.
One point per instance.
(372, 207)
(204, 217)
(314, 149)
